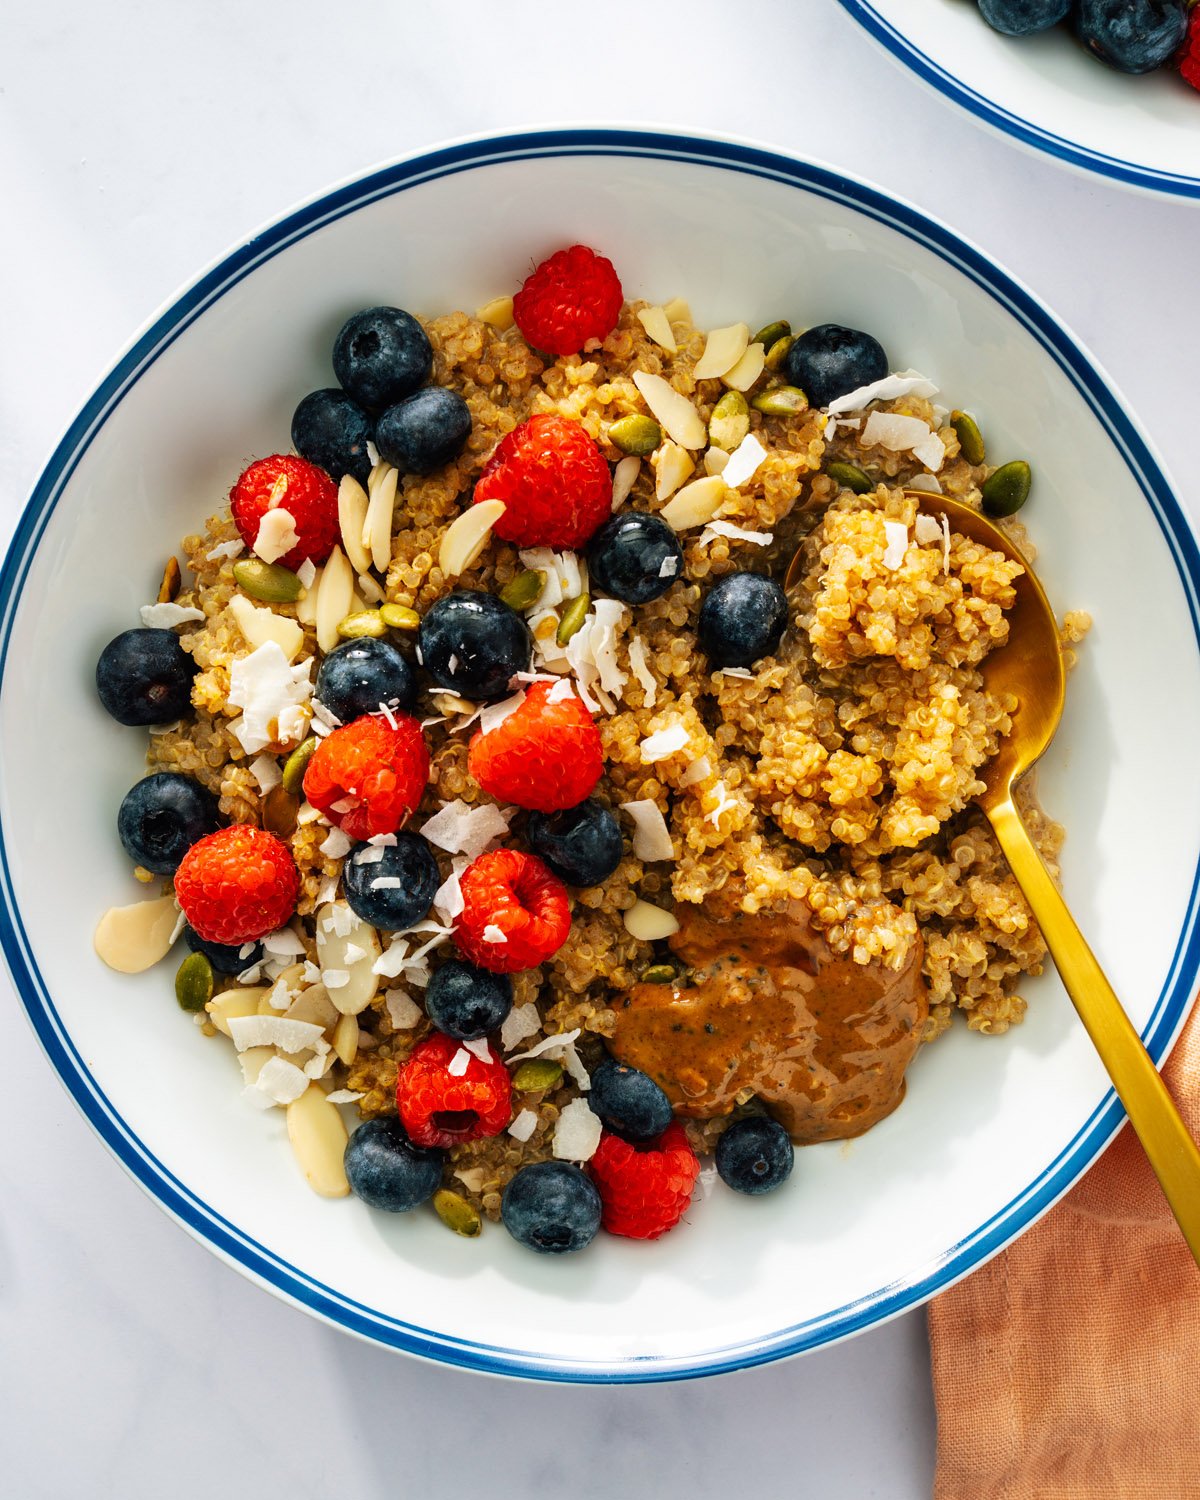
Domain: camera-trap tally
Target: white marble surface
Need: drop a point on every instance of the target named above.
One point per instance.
(136, 142)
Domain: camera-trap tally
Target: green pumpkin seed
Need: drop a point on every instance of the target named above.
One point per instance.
(523, 589)
(636, 434)
(781, 401)
(267, 581)
(456, 1213)
(730, 421)
(194, 982)
(778, 352)
(537, 1075)
(362, 622)
(1005, 491)
(850, 477)
(772, 333)
(399, 617)
(573, 617)
(659, 974)
(279, 809)
(296, 765)
(970, 439)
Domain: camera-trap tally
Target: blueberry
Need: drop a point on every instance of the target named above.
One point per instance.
(145, 677)
(472, 643)
(226, 958)
(425, 431)
(1023, 17)
(1133, 36)
(466, 1002)
(552, 1207)
(392, 908)
(387, 1171)
(754, 1155)
(742, 619)
(381, 355)
(629, 1102)
(634, 557)
(359, 675)
(332, 432)
(829, 361)
(581, 845)
(162, 816)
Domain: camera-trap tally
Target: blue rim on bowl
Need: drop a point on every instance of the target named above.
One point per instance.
(989, 113)
(224, 1237)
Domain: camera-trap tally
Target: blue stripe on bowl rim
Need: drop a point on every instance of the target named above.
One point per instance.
(988, 112)
(223, 1236)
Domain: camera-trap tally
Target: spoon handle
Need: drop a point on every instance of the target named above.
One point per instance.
(1152, 1112)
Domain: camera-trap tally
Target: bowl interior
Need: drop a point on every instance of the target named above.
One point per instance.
(992, 1129)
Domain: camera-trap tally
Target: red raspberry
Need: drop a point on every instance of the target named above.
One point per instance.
(554, 481)
(546, 756)
(308, 495)
(237, 884)
(1189, 53)
(368, 777)
(441, 1108)
(644, 1189)
(571, 298)
(517, 894)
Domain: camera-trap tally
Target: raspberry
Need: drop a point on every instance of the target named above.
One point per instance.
(644, 1189)
(368, 777)
(1189, 53)
(570, 299)
(516, 894)
(441, 1108)
(547, 756)
(237, 884)
(309, 496)
(553, 480)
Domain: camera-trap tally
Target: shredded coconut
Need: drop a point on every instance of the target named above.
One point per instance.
(699, 770)
(577, 1133)
(164, 616)
(234, 548)
(283, 942)
(640, 668)
(335, 979)
(743, 462)
(521, 1021)
(264, 686)
(459, 828)
(281, 1080)
(336, 844)
(344, 1096)
(664, 743)
(403, 1012)
(277, 534)
(273, 1031)
(735, 534)
(265, 770)
(459, 1063)
(928, 484)
(890, 388)
(547, 1046)
(724, 802)
(522, 1127)
(479, 1046)
(897, 543)
(494, 934)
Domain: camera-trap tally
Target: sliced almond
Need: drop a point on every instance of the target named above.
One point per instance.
(724, 348)
(465, 538)
(715, 460)
(370, 590)
(624, 477)
(360, 988)
(672, 465)
(262, 625)
(318, 1136)
(377, 526)
(345, 1039)
(649, 923)
(676, 415)
(352, 515)
(677, 310)
(306, 607)
(695, 504)
(747, 370)
(658, 327)
(498, 314)
(239, 1001)
(133, 938)
(335, 598)
(314, 1004)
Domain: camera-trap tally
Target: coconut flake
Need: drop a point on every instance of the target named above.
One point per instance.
(931, 451)
(403, 1012)
(164, 616)
(743, 672)
(250, 975)
(264, 686)
(640, 668)
(577, 1133)
(592, 650)
(335, 979)
(928, 484)
(459, 1063)
(284, 943)
(265, 770)
(897, 543)
(494, 934)
(521, 1021)
(385, 882)
(273, 1031)
(383, 841)
(352, 953)
(277, 534)
(222, 550)
(624, 477)
(521, 1128)
(573, 1063)
(343, 1096)
(890, 388)
(651, 838)
(325, 715)
(448, 900)
(888, 429)
(307, 572)
(699, 770)
(336, 845)
(327, 890)
(724, 802)
(281, 1080)
(479, 1047)
(548, 1046)
(735, 534)
(385, 712)
(743, 462)
(492, 715)
(664, 743)
(668, 567)
(563, 689)
(368, 856)
(927, 530)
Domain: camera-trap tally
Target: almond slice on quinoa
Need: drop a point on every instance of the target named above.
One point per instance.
(497, 314)
(624, 477)
(651, 836)
(675, 414)
(467, 535)
(725, 346)
(262, 625)
(649, 923)
(747, 370)
(696, 504)
(318, 1136)
(672, 464)
(353, 504)
(351, 981)
(233, 1004)
(658, 327)
(335, 597)
(377, 524)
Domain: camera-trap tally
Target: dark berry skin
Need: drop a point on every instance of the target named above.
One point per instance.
(635, 557)
(581, 845)
(830, 361)
(754, 1155)
(466, 1002)
(162, 816)
(742, 619)
(1023, 17)
(226, 958)
(357, 676)
(1133, 36)
(629, 1102)
(387, 1171)
(392, 908)
(332, 431)
(471, 643)
(145, 677)
(552, 1207)
(381, 355)
(424, 432)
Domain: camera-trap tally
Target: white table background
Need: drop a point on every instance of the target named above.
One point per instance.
(137, 141)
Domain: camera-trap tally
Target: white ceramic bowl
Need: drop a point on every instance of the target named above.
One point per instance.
(992, 1131)
(1046, 93)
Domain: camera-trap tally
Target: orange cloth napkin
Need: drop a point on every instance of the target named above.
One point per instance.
(1068, 1368)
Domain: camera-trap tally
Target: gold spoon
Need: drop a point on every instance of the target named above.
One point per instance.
(1030, 666)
